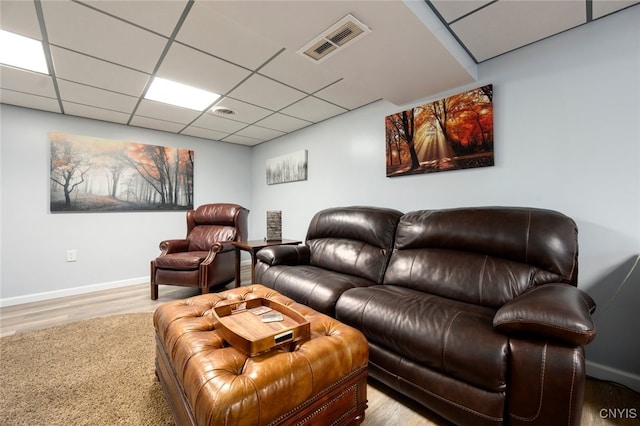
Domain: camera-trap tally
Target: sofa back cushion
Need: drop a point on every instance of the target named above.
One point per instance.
(485, 256)
(353, 240)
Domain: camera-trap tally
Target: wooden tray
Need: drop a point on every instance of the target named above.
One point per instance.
(245, 331)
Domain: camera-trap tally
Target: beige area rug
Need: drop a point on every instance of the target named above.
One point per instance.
(94, 372)
(101, 372)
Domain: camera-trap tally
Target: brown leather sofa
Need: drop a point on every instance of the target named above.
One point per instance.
(472, 312)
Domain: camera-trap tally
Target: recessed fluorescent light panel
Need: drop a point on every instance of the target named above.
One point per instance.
(22, 52)
(178, 94)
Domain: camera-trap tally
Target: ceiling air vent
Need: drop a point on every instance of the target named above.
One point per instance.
(225, 112)
(335, 38)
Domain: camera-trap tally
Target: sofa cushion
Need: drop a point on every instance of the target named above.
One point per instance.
(484, 256)
(353, 240)
(204, 236)
(445, 335)
(312, 286)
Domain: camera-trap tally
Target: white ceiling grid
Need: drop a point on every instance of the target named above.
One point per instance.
(105, 54)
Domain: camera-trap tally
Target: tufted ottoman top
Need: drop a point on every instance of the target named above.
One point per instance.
(224, 386)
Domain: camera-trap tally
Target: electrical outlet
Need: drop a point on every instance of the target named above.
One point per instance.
(72, 255)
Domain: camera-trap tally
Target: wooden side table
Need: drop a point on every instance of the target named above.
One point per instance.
(253, 246)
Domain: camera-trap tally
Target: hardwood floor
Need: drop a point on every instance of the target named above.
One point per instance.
(48, 313)
(385, 405)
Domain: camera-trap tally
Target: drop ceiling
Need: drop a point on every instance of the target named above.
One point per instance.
(104, 54)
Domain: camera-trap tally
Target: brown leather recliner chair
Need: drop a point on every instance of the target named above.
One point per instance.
(205, 258)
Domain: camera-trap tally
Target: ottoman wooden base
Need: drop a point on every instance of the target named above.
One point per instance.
(321, 381)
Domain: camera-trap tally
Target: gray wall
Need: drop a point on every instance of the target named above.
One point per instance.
(113, 249)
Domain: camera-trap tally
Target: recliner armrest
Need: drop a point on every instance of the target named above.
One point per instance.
(217, 248)
(173, 246)
(554, 311)
(285, 255)
(222, 247)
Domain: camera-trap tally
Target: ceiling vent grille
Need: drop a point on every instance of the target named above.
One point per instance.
(337, 37)
(225, 112)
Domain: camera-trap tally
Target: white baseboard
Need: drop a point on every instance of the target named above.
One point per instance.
(604, 372)
(37, 297)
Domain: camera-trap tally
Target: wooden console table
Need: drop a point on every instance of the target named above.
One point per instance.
(253, 246)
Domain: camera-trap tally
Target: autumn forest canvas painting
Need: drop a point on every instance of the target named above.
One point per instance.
(449, 134)
(90, 174)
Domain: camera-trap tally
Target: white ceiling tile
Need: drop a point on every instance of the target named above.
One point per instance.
(27, 81)
(313, 109)
(166, 112)
(602, 8)
(20, 17)
(162, 19)
(206, 29)
(291, 24)
(284, 123)
(86, 95)
(95, 113)
(507, 25)
(192, 67)
(95, 72)
(27, 100)
(242, 140)
(258, 132)
(452, 10)
(296, 71)
(211, 122)
(245, 112)
(152, 123)
(347, 95)
(102, 36)
(392, 65)
(259, 90)
(199, 132)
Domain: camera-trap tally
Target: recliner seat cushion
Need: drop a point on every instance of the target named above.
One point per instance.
(183, 261)
(448, 336)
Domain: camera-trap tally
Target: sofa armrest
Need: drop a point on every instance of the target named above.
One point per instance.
(554, 311)
(173, 246)
(285, 255)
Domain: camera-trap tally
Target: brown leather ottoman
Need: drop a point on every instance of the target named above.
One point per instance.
(322, 381)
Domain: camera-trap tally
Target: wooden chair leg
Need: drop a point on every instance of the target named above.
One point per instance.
(154, 291)
(154, 286)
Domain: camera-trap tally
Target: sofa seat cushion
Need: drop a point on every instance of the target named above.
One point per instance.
(310, 285)
(183, 261)
(448, 336)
